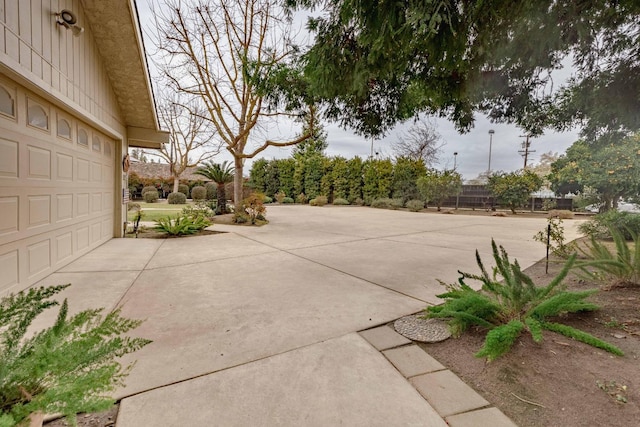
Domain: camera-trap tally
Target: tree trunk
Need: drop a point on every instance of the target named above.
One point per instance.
(176, 184)
(237, 183)
(221, 206)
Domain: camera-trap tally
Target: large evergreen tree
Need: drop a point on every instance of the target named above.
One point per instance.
(378, 62)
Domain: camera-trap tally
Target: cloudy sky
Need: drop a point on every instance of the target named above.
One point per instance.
(472, 147)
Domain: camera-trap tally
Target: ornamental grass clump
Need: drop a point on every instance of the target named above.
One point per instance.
(67, 368)
(509, 303)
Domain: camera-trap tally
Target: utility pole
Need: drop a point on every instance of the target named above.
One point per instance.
(526, 149)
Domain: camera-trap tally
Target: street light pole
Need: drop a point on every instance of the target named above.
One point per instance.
(491, 132)
(455, 164)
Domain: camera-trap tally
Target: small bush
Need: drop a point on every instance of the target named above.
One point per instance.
(380, 203)
(200, 208)
(287, 200)
(253, 206)
(198, 193)
(148, 188)
(340, 202)
(177, 198)
(557, 242)
(150, 196)
(212, 190)
(599, 226)
(184, 189)
(68, 368)
(358, 202)
(280, 196)
(397, 203)
(267, 199)
(386, 203)
(561, 214)
(301, 198)
(240, 218)
(415, 205)
(319, 201)
(509, 303)
(182, 225)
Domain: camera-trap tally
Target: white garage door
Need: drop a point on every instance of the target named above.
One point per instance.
(57, 187)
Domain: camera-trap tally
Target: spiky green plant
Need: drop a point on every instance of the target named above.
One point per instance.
(509, 303)
(622, 264)
(182, 225)
(67, 368)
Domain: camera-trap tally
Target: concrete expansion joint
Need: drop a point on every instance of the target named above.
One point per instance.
(121, 301)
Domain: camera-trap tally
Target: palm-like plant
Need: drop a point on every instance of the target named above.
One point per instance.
(509, 303)
(221, 174)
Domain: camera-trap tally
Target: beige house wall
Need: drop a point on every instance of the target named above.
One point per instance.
(61, 194)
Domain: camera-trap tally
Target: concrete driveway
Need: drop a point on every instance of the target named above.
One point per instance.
(258, 326)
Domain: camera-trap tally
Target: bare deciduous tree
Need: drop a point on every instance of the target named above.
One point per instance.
(225, 53)
(421, 141)
(191, 136)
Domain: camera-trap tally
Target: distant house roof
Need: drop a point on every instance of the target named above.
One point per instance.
(161, 170)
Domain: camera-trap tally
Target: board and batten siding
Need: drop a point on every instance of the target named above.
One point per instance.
(71, 66)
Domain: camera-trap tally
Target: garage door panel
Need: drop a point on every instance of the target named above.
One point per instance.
(9, 219)
(64, 207)
(39, 211)
(9, 265)
(56, 193)
(64, 167)
(8, 158)
(39, 166)
(64, 247)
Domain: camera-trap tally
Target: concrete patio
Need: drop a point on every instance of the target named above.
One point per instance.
(259, 326)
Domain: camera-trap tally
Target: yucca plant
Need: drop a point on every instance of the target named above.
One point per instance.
(621, 264)
(509, 303)
(182, 225)
(67, 368)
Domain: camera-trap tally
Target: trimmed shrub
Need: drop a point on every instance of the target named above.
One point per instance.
(358, 202)
(267, 199)
(386, 203)
(415, 205)
(177, 198)
(184, 189)
(380, 203)
(212, 190)
(318, 201)
(287, 200)
(341, 202)
(148, 188)
(396, 203)
(198, 192)
(150, 196)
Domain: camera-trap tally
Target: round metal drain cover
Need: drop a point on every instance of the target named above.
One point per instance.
(416, 328)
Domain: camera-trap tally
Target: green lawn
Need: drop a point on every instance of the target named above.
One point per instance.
(154, 211)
